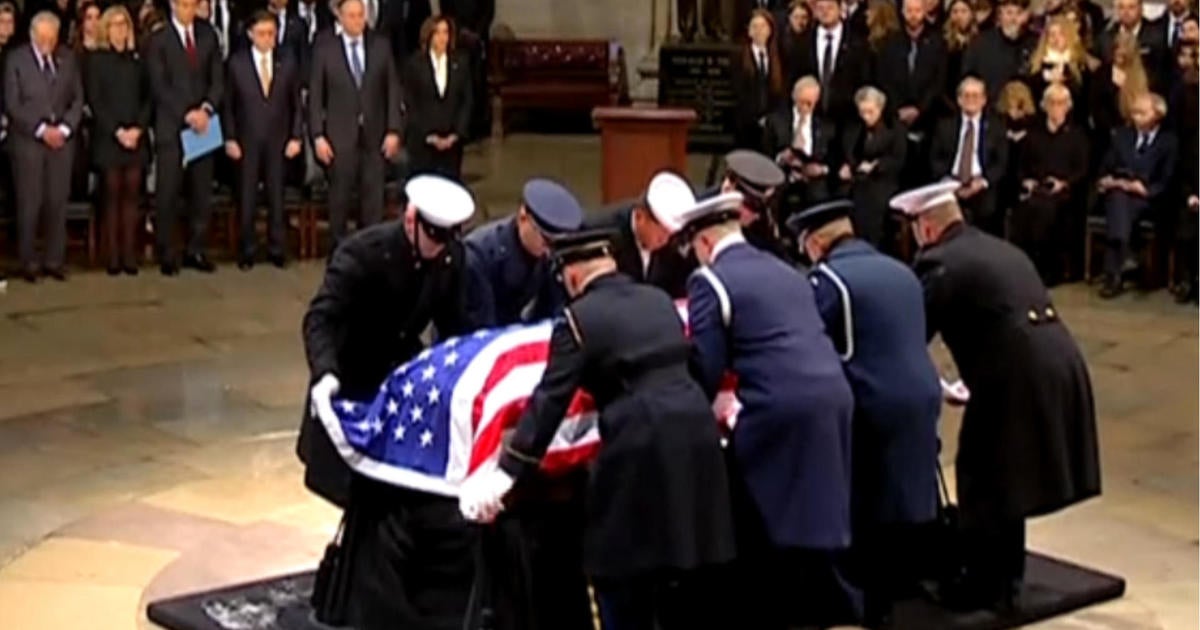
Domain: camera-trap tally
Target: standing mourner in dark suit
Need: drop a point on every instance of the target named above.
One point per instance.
(874, 312)
(317, 16)
(508, 273)
(405, 558)
(972, 149)
(641, 237)
(43, 100)
(474, 19)
(872, 156)
(793, 36)
(187, 79)
(291, 34)
(1046, 221)
(751, 313)
(1148, 36)
(911, 71)
(119, 96)
(838, 59)
(263, 127)
(959, 31)
(437, 92)
(1001, 54)
(227, 18)
(804, 143)
(758, 81)
(354, 116)
(658, 496)
(1135, 177)
(1028, 444)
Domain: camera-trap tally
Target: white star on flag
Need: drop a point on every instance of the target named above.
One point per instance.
(392, 407)
(427, 373)
(407, 389)
(451, 342)
(450, 359)
(434, 396)
(481, 334)
(426, 438)
(376, 425)
(347, 406)
(424, 354)
(415, 413)
(363, 426)
(398, 434)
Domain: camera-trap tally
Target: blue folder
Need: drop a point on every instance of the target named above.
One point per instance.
(196, 146)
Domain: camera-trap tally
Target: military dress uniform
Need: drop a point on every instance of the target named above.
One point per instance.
(1028, 442)
(759, 179)
(658, 503)
(873, 309)
(405, 557)
(505, 283)
(790, 450)
(537, 547)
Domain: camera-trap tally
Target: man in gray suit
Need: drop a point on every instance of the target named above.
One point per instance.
(354, 116)
(44, 101)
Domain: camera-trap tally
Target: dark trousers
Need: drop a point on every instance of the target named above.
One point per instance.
(411, 560)
(1188, 254)
(424, 158)
(43, 187)
(1122, 212)
(883, 559)
(171, 179)
(994, 558)
(263, 163)
(672, 601)
(1033, 229)
(779, 588)
(356, 172)
(122, 187)
(535, 559)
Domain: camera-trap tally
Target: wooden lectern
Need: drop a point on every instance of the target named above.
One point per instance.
(636, 143)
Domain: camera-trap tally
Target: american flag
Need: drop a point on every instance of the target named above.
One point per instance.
(441, 417)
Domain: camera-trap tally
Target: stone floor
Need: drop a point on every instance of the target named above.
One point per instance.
(147, 425)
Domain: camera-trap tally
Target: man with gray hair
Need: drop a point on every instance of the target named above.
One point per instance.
(44, 103)
(801, 140)
(971, 149)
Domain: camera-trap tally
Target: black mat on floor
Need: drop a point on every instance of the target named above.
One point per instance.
(1052, 587)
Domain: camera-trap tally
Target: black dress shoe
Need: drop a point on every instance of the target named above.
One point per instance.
(58, 273)
(169, 269)
(130, 270)
(245, 264)
(113, 270)
(278, 260)
(1111, 289)
(29, 275)
(200, 263)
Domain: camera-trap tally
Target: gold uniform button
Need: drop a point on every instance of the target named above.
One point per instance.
(1033, 316)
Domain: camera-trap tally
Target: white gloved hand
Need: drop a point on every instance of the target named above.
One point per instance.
(321, 395)
(481, 497)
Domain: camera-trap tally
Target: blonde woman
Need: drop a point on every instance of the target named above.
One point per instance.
(882, 21)
(1018, 111)
(1116, 85)
(1060, 59)
(959, 31)
(120, 102)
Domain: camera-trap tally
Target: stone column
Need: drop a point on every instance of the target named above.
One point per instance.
(662, 24)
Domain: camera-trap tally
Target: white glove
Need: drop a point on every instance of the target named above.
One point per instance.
(955, 393)
(481, 497)
(321, 395)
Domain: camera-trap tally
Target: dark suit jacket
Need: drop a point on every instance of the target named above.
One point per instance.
(920, 88)
(1154, 166)
(427, 112)
(177, 86)
(336, 104)
(779, 134)
(257, 121)
(851, 71)
(668, 269)
(294, 39)
(991, 145)
(31, 99)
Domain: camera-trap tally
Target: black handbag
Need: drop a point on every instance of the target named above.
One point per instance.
(949, 563)
(329, 584)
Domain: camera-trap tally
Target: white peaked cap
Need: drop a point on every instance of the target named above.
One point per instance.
(915, 202)
(717, 203)
(668, 196)
(441, 202)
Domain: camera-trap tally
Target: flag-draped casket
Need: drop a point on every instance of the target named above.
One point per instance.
(442, 416)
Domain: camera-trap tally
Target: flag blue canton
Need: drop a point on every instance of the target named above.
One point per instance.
(408, 423)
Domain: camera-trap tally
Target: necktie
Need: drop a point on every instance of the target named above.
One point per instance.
(1141, 143)
(912, 55)
(356, 65)
(189, 46)
(1174, 32)
(966, 153)
(48, 67)
(264, 75)
(762, 63)
(827, 65)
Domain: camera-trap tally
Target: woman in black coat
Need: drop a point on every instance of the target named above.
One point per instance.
(874, 155)
(118, 95)
(792, 40)
(437, 92)
(758, 93)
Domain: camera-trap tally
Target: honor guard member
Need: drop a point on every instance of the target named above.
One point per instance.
(382, 288)
(658, 502)
(1028, 441)
(759, 179)
(754, 315)
(508, 277)
(642, 243)
(874, 312)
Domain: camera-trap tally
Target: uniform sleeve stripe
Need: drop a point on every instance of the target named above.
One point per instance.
(718, 288)
(847, 309)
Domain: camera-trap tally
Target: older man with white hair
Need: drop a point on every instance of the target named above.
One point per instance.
(44, 103)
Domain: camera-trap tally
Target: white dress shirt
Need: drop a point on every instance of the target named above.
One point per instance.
(976, 170)
(804, 123)
(761, 58)
(184, 32)
(439, 71)
(822, 35)
(352, 52)
(281, 25)
(42, 60)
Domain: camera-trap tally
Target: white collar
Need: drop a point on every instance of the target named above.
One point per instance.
(727, 241)
(836, 31)
(975, 119)
(180, 27)
(797, 117)
(337, 29)
(436, 57)
(758, 50)
(259, 55)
